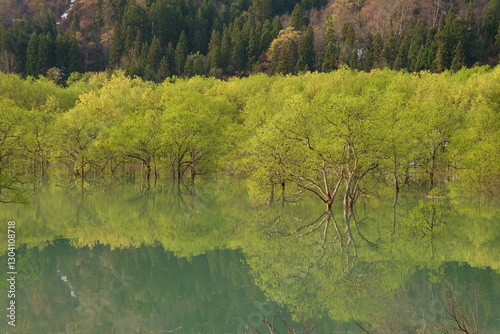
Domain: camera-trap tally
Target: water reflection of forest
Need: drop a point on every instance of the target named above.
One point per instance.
(377, 267)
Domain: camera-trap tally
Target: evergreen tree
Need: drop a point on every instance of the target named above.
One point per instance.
(390, 51)
(261, 9)
(195, 65)
(290, 58)
(164, 71)
(330, 58)
(277, 27)
(298, 21)
(439, 63)
(136, 18)
(137, 47)
(141, 66)
(225, 50)
(170, 58)
(458, 59)
(447, 38)
(266, 36)
(368, 51)
(470, 40)
(307, 55)
(490, 29)
(214, 52)
(417, 41)
(74, 60)
(378, 52)
(167, 22)
(75, 23)
(116, 49)
(62, 53)
(427, 55)
(498, 38)
(239, 53)
(46, 54)
(253, 49)
(348, 43)
(491, 21)
(181, 53)
(32, 56)
(154, 59)
(155, 53)
(402, 57)
(116, 7)
(200, 38)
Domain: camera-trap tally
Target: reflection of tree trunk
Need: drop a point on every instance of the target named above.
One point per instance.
(396, 181)
(271, 195)
(282, 191)
(155, 170)
(82, 171)
(148, 173)
(396, 190)
(394, 213)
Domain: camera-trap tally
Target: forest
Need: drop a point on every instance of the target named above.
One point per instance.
(335, 136)
(156, 39)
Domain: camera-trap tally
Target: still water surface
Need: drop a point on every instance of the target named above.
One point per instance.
(215, 263)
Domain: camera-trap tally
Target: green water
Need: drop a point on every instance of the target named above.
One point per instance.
(212, 261)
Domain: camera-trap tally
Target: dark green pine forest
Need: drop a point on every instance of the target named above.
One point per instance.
(156, 39)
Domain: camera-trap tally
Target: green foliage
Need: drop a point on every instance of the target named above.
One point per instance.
(336, 136)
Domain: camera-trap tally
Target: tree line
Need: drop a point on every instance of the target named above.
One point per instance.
(336, 136)
(159, 39)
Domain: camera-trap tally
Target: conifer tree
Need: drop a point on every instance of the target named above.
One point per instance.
(266, 36)
(458, 59)
(195, 65)
(491, 21)
(447, 39)
(261, 9)
(136, 18)
(170, 58)
(378, 52)
(239, 53)
(214, 52)
(116, 50)
(155, 53)
(298, 21)
(32, 56)
(390, 51)
(330, 58)
(164, 71)
(181, 53)
(368, 51)
(470, 40)
(137, 47)
(417, 41)
(74, 61)
(201, 37)
(46, 54)
(307, 55)
(439, 65)
(62, 53)
(225, 50)
(277, 27)
(253, 49)
(75, 23)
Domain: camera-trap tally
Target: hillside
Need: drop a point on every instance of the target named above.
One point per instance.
(156, 39)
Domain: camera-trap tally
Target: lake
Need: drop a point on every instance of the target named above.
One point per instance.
(214, 261)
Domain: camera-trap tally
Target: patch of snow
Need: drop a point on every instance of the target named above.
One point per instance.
(66, 13)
